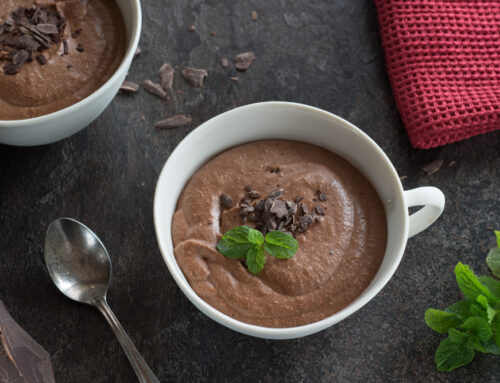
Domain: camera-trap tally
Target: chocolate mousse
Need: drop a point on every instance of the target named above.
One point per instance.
(341, 246)
(54, 53)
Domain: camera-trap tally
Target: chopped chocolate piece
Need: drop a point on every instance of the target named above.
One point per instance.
(254, 194)
(432, 167)
(243, 204)
(305, 221)
(79, 48)
(27, 42)
(322, 196)
(10, 69)
(76, 33)
(279, 208)
(255, 15)
(243, 61)
(22, 359)
(248, 188)
(194, 76)
(292, 208)
(268, 203)
(304, 208)
(174, 122)
(48, 29)
(298, 199)
(226, 201)
(155, 89)
(224, 62)
(269, 221)
(20, 58)
(277, 193)
(166, 74)
(129, 87)
(259, 206)
(248, 209)
(191, 28)
(319, 210)
(41, 59)
(65, 46)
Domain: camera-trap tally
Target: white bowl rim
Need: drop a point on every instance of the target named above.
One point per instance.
(132, 46)
(279, 332)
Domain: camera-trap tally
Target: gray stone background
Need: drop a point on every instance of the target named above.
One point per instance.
(323, 53)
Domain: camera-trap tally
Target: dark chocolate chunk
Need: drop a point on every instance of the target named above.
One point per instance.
(166, 74)
(305, 221)
(194, 76)
(304, 208)
(248, 188)
(254, 194)
(10, 69)
(79, 48)
(292, 208)
(129, 87)
(279, 208)
(20, 57)
(65, 46)
(48, 29)
(298, 199)
(243, 61)
(174, 122)
(226, 201)
(155, 89)
(41, 59)
(319, 210)
(22, 359)
(277, 193)
(259, 206)
(27, 42)
(322, 196)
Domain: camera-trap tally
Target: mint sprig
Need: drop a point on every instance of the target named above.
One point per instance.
(248, 243)
(472, 324)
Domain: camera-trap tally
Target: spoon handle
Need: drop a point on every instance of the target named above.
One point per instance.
(140, 366)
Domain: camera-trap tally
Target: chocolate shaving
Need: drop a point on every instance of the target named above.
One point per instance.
(166, 74)
(243, 61)
(432, 167)
(173, 122)
(48, 29)
(65, 46)
(155, 89)
(129, 87)
(194, 76)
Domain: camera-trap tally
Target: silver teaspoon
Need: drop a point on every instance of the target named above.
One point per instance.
(80, 267)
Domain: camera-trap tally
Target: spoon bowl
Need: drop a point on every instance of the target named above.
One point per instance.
(80, 267)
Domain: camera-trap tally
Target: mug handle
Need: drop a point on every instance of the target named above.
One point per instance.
(433, 201)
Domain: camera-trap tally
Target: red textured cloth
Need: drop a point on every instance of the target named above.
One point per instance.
(443, 60)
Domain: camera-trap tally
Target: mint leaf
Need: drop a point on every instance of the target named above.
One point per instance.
(478, 327)
(450, 355)
(493, 261)
(469, 284)
(496, 327)
(461, 309)
(457, 336)
(489, 311)
(491, 284)
(256, 259)
(236, 243)
(280, 245)
(490, 347)
(441, 321)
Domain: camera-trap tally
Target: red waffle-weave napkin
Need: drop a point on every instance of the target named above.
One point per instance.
(443, 60)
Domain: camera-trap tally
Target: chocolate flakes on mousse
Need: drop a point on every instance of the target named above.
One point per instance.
(273, 213)
(27, 31)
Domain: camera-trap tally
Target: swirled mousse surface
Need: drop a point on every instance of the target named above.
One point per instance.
(336, 260)
(96, 28)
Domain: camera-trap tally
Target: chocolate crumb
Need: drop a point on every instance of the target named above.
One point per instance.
(129, 87)
(166, 74)
(69, 67)
(20, 57)
(304, 222)
(248, 188)
(224, 62)
(191, 28)
(79, 48)
(76, 33)
(174, 122)
(41, 59)
(319, 210)
(254, 194)
(432, 167)
(226, 201)
(322, 196)
(243, 61)
(255, 15)
(155, 89)
(277, 193)
(298, 199)
(194, 76)
(65, 46)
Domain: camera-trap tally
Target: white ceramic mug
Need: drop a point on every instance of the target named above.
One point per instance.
(283, 120)
(65, 122)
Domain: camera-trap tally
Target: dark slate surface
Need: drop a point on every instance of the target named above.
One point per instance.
(322, 53)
